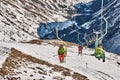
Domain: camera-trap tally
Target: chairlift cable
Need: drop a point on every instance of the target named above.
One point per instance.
(101, 15)
(57, 35)
(79, 39)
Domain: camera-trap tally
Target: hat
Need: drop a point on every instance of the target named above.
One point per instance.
(99, 45)
(61, 45)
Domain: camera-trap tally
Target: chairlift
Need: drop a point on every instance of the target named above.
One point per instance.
(98, 54)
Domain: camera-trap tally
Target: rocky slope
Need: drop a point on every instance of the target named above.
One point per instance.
(19, 19)
(80, 29)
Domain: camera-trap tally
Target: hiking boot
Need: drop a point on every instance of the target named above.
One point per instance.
(98, 58)
(103, 60)
(61, 61)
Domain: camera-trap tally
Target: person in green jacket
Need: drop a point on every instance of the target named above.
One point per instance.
(99, 53)
(61, 53)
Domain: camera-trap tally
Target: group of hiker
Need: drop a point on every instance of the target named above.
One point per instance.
(99, 52)
(62, 52)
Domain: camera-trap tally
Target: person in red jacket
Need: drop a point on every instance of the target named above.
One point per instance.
(80, 48)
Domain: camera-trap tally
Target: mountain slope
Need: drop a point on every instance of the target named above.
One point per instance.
(19, 19)
(80, 29)
(86, 64)
(23, 67)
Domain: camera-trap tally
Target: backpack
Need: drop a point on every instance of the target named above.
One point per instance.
(61, 51)
(98, 51)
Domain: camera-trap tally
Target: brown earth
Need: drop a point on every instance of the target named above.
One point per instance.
(53, 42)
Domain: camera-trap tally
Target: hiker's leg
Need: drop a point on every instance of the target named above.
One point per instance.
(81, 52)
(62, 57)
(78, 52)
(104, 58)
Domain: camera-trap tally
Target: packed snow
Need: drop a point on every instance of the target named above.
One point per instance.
(86, 64)
(4, 53)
